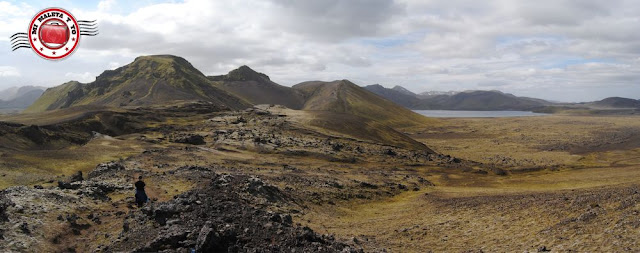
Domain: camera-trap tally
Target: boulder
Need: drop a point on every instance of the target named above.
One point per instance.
(76, 177)
(194, 139)
(105, 168)
(255, 186)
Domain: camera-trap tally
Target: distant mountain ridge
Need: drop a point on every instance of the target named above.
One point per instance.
(617, 102)
(467, 100)
(398, 96)
(403, 90)
(481, 101)
(428, 94)
(19, 97)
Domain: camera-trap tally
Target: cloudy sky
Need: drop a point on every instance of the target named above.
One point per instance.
(563, 50)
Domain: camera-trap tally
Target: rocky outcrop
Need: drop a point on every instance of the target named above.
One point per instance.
(220, 218)
(193, 139)
(105, 168)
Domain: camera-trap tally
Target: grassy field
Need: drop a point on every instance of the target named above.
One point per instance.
(529, 142)
(41, 166)
(568, 179)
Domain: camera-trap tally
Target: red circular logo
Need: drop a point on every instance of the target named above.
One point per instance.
(54, 33)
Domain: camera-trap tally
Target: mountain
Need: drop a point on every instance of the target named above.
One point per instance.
(162, 81)
(396, 95)
(468, 100)
(345, 97)
(23, 100)
(403, 90)
(428, 94)
(257, 88)
(617, 102)
(148, 80)
(480, 101)
(15, 92)
(8, 94)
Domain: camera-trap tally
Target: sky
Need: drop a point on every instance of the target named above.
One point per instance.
(561, 50)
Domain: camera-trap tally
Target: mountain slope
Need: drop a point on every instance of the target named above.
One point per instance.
(257, 88)
(8, 93)
(480, 101)
(468, 100)
(22, 99)
(15, 92)
(617, 102)
(429, 94)
(148, 80)
(403, 90)
(345, 97)
(394, 95)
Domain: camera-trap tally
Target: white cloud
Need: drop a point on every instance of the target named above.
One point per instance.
(80, 77)
(114, 65)
(106, 5)
(547, 48)
(8, 71)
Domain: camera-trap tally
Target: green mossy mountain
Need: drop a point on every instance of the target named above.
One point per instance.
(395, 95)
(148, 80)
(165, 80)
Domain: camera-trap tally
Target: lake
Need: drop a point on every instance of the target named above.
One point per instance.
(476, 114)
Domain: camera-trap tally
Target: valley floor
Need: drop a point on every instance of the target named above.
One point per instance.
(553, 183)
(571, 185)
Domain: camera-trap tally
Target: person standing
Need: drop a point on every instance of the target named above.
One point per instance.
(141, 195)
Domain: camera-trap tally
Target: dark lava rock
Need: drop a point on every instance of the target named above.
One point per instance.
(499, 172)
(105, 168)
(194, 168)
(543, 249)
(76, 177)
(259, 188)
(77, 223)
(368, 185)
(194, 139)
(100, 190)
(66, 185)
(390, 152)
(72, 183)
(170, 240)
(165, 211)
(24, 227)
(227, 220)
(425, 182)
(34, 133)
